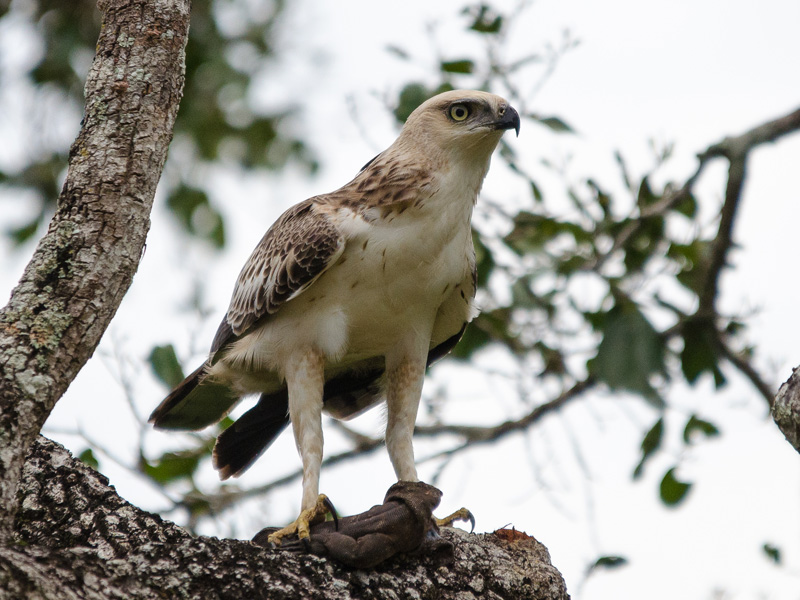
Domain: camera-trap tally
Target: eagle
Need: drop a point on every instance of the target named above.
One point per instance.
(349, 297)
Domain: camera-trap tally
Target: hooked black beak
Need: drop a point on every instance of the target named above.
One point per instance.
(509, 120)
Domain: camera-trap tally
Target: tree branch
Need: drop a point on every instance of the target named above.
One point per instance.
(747, 370)
(765, 133)
(481, 435)
(724, 240)
(85, 263)
(733, 148)
(76, 538)
(786, 410)
(736, 150)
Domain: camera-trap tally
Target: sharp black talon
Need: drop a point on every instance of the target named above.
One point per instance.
(471, 518)
(332, 509)
(306, 544)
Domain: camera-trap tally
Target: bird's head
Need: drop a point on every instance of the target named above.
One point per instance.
(462, 121)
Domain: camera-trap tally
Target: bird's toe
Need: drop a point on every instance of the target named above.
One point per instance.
(462, 514)
(301, 527)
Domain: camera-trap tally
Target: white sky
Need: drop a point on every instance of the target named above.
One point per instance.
(689, 72)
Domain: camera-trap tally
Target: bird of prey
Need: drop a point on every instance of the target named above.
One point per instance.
(349, 296)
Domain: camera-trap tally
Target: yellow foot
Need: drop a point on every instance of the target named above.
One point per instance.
(462, 514)
(308, 517)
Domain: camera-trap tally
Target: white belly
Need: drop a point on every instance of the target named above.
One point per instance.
(393, 287)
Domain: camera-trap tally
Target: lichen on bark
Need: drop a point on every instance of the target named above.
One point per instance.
(73, 526)
(85, 263)
(786, 409)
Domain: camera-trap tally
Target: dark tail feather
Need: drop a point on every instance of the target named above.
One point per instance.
(196, 403)
(160, 417)
(240, 445)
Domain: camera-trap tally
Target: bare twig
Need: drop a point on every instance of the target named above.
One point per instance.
(747, 369)
(724, 240)
(357, 438)
(736, 150)
(481, 435)
(762, 134)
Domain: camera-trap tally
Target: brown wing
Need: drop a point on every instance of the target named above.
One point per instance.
(299, 247)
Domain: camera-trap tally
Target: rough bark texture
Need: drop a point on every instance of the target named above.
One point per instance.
(85, 263)
(786, 410)
(76, 538)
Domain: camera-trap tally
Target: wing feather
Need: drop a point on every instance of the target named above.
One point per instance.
(299, 247)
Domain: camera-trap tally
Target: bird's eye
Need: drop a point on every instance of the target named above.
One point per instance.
(459, 112)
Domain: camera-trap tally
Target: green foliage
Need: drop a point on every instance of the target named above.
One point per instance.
(484, 19)
(773, 553)
(165, 365)
(672, 490)
(414, 94)
(609, 562)
(216, 119)
(66, 29)
(489, 326)
(696, 426)
(458, 66)
(173, 466)
(475, 337)
(650, 444)
(87, 457)
(630, 353)
(556, 124)
(19, 235)
(690, 258)
(701, 351)
(193, 208)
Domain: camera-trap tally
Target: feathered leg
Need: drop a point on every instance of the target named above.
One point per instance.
(305, 380)
(404, 388)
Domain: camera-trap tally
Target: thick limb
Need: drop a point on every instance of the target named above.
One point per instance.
(404, 388)
(305, 380)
